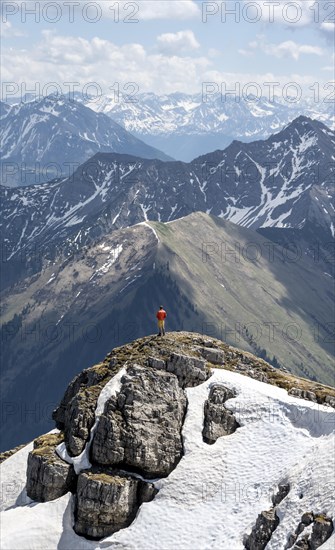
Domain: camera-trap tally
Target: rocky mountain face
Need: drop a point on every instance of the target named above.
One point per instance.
(81, 305)
(50, 137)
(127, 426)
(186, 126)
(283, 182)
(138, 430)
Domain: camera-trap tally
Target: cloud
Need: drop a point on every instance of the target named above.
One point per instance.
(67, 59)
(245, 53)
(292, 49)
(8, 31)
(293, 15)
(328, 26)
(289, 48)
(58, 58)
(176, 43)
(214, 52)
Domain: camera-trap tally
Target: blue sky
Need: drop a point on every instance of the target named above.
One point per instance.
(168, 46)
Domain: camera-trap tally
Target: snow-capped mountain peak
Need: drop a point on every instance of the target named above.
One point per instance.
(186, 126)
(51, 136)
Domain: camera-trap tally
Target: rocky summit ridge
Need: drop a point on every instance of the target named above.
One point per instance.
(119, 431)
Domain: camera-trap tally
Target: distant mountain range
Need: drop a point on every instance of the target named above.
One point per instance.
(284, 182)
(50, 137)
(203, 269)
(185, 126)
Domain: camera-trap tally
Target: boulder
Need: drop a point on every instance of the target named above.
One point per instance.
(322, 530)
(218, 421)
(190, 371)
(140, 427)
(330, 400)
(302, 544)
(155, 363)
(303, 394)
(266, 523)
(307, 518)
(213, 355)
(107, 502)
(48, 476)
(283, 491)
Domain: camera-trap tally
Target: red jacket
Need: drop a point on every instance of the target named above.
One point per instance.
(161, 314)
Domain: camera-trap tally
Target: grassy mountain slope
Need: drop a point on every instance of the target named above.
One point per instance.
(212, 276)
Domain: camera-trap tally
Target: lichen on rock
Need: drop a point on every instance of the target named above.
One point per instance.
(107, 502)
(48, 476)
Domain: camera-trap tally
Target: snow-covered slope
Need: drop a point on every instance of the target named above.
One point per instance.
(186, 126)
(214, 496)
(52, 136)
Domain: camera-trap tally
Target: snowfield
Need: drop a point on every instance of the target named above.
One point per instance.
(213, 497)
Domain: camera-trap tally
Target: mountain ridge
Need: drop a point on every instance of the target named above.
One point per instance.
(285, 183)
(212, 276)
(186, 126)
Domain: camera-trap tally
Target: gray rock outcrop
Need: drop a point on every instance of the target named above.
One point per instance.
(141, 426)
(48, 476)
(213, 355)
(303, 394)
(76, 412)
(322, 528)
(107, 502)
(79, 419)
(190, 371)
(139, 432)
(261, 533)
(283, 491)
(218, 420)
(93, 376)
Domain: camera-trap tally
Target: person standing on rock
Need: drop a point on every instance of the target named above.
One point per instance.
(161, 316)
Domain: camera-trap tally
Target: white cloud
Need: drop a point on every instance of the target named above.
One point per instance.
(214, 52)
(293, 15)
(246, 53)
(8, 31)
(176, 43)
(289, 48)
(73, 59)
(328, 26)
(292, 49)
(63, 59)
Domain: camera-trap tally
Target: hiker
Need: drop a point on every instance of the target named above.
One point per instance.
(161, 316)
